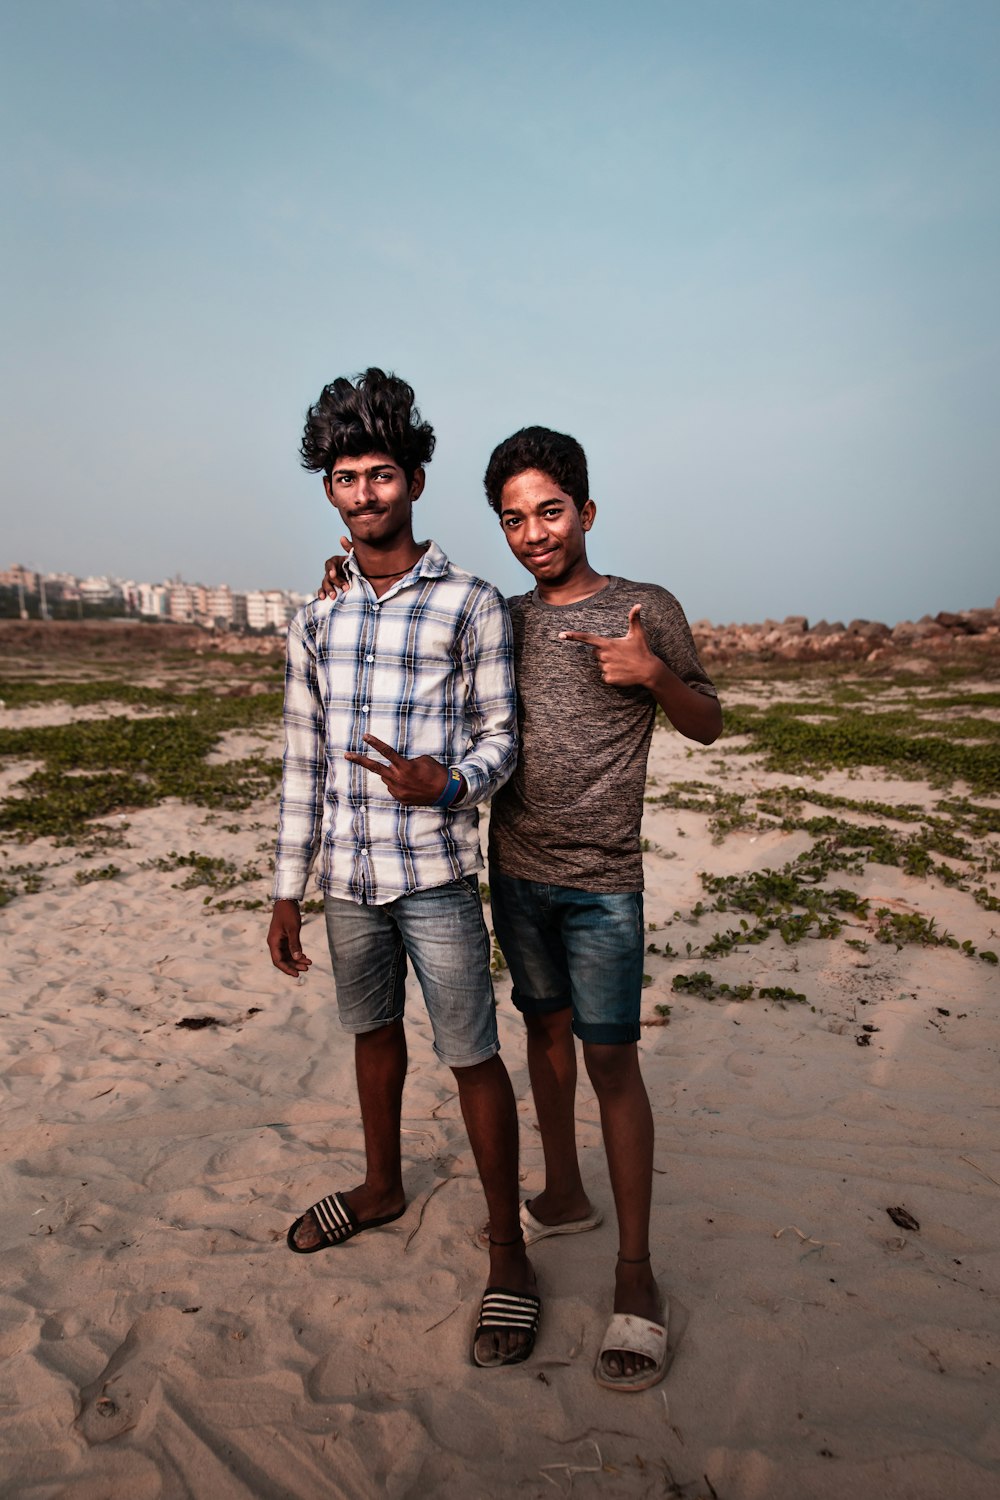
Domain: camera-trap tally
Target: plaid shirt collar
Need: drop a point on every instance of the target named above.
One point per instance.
(432, 564)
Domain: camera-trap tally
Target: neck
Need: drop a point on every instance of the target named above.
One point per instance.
(579, 584)
(383, 566)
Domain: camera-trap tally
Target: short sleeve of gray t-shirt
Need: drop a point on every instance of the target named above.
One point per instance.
(570, 815)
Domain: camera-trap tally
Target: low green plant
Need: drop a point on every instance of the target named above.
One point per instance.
(203, 869)
(94, 768)
(894, 739)
(103, 872)
(702, 984)
(912, 927)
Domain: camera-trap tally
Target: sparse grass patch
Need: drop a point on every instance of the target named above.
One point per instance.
(702, 984)
(99, 767)
(102, 872)
(912, 927)
(18, 694)
(893, 739)
(203, 869)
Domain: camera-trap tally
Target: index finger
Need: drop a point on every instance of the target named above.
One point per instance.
(583, 637)
(378, 766)
(392, 756)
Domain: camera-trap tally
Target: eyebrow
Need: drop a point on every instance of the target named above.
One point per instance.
(375, 468)
(510, 510)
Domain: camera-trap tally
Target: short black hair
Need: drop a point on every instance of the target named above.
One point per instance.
(554, 453)
(374, 413)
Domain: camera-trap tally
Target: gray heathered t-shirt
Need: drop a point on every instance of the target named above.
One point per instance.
(570, 814)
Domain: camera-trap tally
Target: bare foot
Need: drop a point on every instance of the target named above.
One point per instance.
(550, 1209)
(363, 1202)
(636, 1292)
(547, 1208)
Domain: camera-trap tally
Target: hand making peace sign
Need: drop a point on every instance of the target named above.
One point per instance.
(624, 660)
(416, 783)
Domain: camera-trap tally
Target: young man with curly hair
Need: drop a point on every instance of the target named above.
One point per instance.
(595, 655)
(399, 721)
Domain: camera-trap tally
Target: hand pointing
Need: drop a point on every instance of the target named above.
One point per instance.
(624, 660)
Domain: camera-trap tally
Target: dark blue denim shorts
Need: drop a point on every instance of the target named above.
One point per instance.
(572, 948)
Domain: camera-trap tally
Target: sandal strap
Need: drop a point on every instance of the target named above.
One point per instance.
(512, 1311)
(334, 1219)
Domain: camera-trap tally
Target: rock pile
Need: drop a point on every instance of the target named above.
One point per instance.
(794, 639)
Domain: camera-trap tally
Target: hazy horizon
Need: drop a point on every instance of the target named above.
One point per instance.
(745, 252)
(523, 585)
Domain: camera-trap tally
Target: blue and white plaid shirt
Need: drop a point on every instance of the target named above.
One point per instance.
(428, 668)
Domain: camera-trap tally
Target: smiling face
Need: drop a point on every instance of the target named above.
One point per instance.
(374, 498)
(543, 527)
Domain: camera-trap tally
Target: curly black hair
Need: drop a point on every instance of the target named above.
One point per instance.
(554, 453)
(374, 413)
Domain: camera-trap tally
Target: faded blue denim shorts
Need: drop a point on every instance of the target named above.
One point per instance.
(443, 934)
(574, 948)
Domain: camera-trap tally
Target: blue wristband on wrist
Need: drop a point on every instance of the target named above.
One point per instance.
(453, 787)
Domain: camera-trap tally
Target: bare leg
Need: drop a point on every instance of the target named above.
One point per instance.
(627, 1123)
(380, 1065)
(552, 1069)
(490, 1116)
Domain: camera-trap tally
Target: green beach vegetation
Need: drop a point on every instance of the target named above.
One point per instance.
(138, 731)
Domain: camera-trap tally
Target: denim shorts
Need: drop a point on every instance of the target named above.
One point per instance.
(442, 932)
(567, 947)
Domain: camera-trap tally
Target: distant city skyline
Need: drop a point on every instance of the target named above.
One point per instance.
(746, 251)
(175, 600)
(277, 606)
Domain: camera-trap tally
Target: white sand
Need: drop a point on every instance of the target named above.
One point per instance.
(159, 1340)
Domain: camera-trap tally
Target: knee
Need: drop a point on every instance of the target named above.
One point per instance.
(479, 1075)
(550, 1026)
(611, 1070)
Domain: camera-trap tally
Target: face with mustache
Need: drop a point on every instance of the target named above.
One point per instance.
(374, 498)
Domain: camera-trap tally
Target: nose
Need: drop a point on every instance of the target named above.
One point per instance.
(534, 530)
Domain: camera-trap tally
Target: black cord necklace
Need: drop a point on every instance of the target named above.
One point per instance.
(398, 573)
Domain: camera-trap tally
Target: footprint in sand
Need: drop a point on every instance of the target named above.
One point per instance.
(121, 1395)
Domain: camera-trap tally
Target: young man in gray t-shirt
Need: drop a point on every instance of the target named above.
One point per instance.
(594, 656)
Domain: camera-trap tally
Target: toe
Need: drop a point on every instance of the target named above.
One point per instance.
(307, 1234)
(622, 1364)
(488, 1350)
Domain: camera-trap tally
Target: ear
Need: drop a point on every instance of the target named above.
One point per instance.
(587, 514)
(417, 484)
(328, 487)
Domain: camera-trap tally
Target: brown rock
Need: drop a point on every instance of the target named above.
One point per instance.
(921, 630)
(953, 622)
(869, 630)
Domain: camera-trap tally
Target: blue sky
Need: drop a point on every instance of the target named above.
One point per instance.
(745, 250)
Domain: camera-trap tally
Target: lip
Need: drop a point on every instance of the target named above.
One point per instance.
(541, 557)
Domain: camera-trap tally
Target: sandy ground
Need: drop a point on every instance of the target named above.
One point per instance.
(158, 1339)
